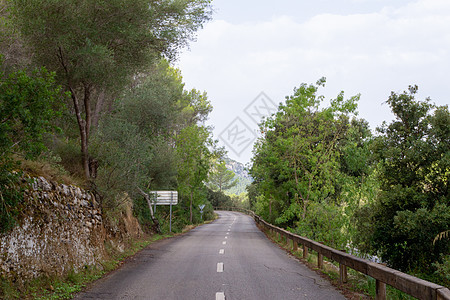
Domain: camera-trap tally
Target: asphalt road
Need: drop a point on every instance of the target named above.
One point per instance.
(227, 259)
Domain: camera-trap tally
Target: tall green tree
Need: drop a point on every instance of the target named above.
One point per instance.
(299, 151)
(194, 154)
(94, 46)
(221, 178)
(134, 143)
(413, 205)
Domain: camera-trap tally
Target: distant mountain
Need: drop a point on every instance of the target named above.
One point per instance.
(241, 174)
(238, 168)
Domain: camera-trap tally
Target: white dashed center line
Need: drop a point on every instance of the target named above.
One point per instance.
(220, 267)
(221, 295)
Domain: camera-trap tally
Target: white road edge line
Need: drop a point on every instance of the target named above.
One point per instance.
(220, 267)
(220, 296)
(221, 251)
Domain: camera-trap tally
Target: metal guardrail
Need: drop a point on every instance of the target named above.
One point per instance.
(383, 275)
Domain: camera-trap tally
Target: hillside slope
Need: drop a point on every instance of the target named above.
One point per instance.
(241, 174)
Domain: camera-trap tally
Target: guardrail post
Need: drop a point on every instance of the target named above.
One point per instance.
(305, 252)
(380, 290)
(294, 245)
(319, 260)
(401, 281)
(342, 273)
(443, 294)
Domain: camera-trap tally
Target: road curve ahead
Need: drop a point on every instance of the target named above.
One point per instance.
(227, 259)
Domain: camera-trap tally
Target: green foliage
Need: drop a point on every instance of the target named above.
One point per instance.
(101, 42)
(194, 162)
(15, 54)
(412, 206)
(100, 47)
(11, 195)
(221, 178)
(27, 107)
(240, 187)
(297, 161)
(154, 104)
(443, 269)
(324, 223)
(124, 155)
(219, 199)
(148, 141)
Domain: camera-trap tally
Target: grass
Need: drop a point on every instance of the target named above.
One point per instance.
(359, 286)
(49, 170)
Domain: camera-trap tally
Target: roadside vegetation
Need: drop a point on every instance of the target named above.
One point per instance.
(88, 89)
(88, 95)
(320, 172)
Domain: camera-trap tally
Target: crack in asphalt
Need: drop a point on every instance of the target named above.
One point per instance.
(316, 282)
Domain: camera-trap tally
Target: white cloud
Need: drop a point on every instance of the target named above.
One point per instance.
(370, 53)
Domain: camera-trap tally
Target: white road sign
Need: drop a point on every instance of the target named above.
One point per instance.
(166, 197)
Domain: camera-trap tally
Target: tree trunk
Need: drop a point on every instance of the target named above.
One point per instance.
(155, 220)
(101, 99)
(305, 204)
(270, 208)
(87, 111)
(83, 135)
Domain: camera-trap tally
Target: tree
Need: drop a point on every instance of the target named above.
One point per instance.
(94, 46)
(15, 55)
(221, 178)
(194, 161)
(219, 199)
(412, 206)
(298, 154)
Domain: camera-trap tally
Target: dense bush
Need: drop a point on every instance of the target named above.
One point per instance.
(28, 104)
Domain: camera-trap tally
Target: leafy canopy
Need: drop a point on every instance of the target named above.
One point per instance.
(413, 204)
(27, 104)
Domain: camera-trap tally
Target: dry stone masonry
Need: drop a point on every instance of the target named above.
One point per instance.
(61, 229)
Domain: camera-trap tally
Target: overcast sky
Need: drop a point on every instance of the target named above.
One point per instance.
(371, 47)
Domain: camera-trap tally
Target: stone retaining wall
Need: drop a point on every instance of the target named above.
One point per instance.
(61, 229)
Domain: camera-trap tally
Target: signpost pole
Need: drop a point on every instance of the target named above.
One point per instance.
(201, 206)
(165, 198)
(171, 199)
